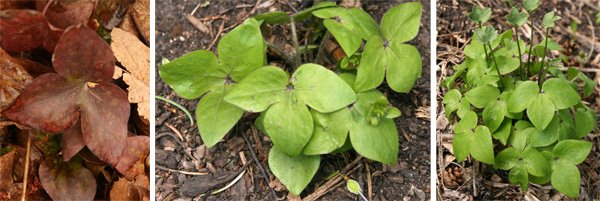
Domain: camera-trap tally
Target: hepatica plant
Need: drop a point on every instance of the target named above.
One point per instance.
(526, 103)
(312, 110)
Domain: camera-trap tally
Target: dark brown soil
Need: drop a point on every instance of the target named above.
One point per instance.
(175, 37)
(454, 30)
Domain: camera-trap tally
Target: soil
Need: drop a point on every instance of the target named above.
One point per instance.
(176, 36)
(454, 30)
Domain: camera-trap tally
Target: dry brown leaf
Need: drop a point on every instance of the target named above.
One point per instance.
(13, 79)
(118, 73)
(141, 15)
(135, 57)
(128, 24)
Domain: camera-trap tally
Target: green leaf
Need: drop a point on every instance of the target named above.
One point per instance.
(275, 17)
(449, 81)
(520, 138)
(482, 147)
(549, 19)
(321, 89)
(588, 88)
(566, 178)
(544, 179)
(378, 143)
(478, 15)
(403, 64)
(329, 133)
(468, 122)
(547, 136)
(475, 50)
(507, 158)
(349, 40)
(522, 96)
(461, 145)
(188, 78)
(295, 172)
(535, 163)
(353, 187)
(215, 116)
(463, 108)
(289, 133)
(560, 93)
(241, 51)
(486, 34)
(493, 115)
(503, 132)
(531, 5)
(273, 83)
(541, 111)
(572, 151)
(451, 99)
(392, 112)
(515, 18)
(506, 64)
(482, 96)
(348, 26)
(518, 175)
(584, 123)
(401, 23)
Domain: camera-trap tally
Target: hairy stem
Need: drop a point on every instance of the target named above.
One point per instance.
(541, 73)
(295, 38)
(495, 64)
(530, 44)
(520, 55)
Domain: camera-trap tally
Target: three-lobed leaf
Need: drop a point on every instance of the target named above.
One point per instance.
(531, 5)
(515, 18)
(549, 19)
(479, 15)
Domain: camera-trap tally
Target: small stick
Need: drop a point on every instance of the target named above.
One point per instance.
(369, 182)
(217, 37)
(258, 164)
(26, 169)
(290, 5)
(295, 38)
(281, 53)
(180, 171)
(175, 130)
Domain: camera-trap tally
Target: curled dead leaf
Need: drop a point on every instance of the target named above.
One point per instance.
(13, 79)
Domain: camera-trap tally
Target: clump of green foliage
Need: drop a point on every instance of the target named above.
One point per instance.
(315, 110)
(539, 120)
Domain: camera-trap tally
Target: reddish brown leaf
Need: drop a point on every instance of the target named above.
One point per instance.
(53, 102)
(63, 14)
(67, 181)
(6, 176)
(13, 79)
(23, 30)
(138, 147)
(72, 140)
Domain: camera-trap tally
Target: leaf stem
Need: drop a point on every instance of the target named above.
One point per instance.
(541, 73)
(520, 55)
(495, 64)
(177, 105)
(530, 44)
(295, 38)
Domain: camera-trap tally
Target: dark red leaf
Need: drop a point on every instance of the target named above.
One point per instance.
(72, 140)
(67, 180)
(24, 30)
(53, 102)
(138, 147)
(63, 14)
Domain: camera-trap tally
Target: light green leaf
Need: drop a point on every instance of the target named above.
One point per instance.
(189, 78)
(507, 158)
(451, 99)
(353, 20)
(478, 15)
(475, 50)
(294, 172)
(560, 93)
(506, 64)
(544, 179)
(349, 40)
(280, 17)
(378, 143)
(289, 124)
(482, 96)
(503, 132)
(353, 187)
(549, 19)
(493, 115)
(486, 34)
(566, 178)
(531, 5)
(547, 136)
(482, 147)
(329, 133)
(463, 108)
(522, 96)
(515, 18)
(249, 96)
(321, 89)
(518, 176)
(403, 64)
(535, 163)
(541, 111)
(468, 122)
(392, 112)
(215, 116)
(242, 50)
(572, 151)
(584, 123)
(401, 23)
(461, 145)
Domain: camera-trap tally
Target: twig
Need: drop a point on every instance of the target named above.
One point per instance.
(290, 5)
(230, 183)
(369, 182)
(334, 182)
(217, 36)
(180, 171)
(196, 8)
(322, 46)
(176, 131)
(295, 38)
(177, 105)
(258, 164)
(26, 169)
(281, 53)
